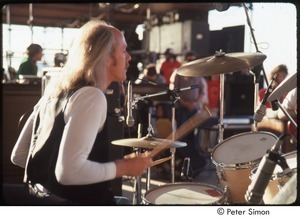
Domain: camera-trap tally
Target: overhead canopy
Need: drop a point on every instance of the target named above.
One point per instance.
(119, 14)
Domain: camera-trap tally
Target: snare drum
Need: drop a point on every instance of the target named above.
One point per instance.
(184, 194)
(235, 157)
(278, 178)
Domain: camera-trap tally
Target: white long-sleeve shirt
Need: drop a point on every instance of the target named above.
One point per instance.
(84, 116)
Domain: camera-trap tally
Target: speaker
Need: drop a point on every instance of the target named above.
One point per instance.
(229, 39)
(195, 36)
(238, 94)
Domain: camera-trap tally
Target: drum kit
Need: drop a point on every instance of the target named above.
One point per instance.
(250, 166)
(236, 158)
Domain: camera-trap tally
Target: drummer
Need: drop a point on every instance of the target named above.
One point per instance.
(67, 160)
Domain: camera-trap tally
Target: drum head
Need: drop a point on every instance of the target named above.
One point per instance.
(184, 194)
(243, 148)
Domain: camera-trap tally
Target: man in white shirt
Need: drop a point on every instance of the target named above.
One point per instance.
(62, 143)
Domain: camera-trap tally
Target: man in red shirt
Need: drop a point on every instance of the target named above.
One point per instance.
(169, 65)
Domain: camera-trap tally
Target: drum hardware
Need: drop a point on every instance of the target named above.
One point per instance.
(280, 176)
(288, 194)
(257, 68)
(183, 130)
(147, 142)
(137, 182)
(159, 146)
(265, 169)
(174, 98)
(186, 171)
(221, 174)
(260, 111)
(189, 193)
(289, 83)
(221, 63)
(235, 157)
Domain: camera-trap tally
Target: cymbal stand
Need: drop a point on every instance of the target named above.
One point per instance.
(256, 91)
(173, 149)
(150, 129)
(137, 183)
(174, 99)
(221, 125)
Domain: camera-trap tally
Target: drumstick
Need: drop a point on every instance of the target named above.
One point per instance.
(184, 129)
(161, 161)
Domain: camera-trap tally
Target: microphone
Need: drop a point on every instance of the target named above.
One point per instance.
(129, 119)
(263, 174)
(261, 109)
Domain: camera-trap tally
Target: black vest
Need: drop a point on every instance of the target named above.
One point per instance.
(42, 161)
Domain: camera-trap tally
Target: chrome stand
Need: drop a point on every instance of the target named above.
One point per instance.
(221, 125)
(137, 182)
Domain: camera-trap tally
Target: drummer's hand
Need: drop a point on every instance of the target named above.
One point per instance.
(133, 165)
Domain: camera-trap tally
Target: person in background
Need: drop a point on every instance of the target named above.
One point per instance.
(213, 88)
(64, 144)
(290, 105)
(270, 121)
(163, 123)
(190, 102)
(277, 75)
(28, 65)
(169, 65)
(151, 75)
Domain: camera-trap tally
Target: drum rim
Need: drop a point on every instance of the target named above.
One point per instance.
(278, 175)
(234, 166)
(219, 201)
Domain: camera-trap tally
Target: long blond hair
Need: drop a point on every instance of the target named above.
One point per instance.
(88, 55)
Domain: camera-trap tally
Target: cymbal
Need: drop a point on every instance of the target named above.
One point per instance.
(147, 142)
(289, 83)
(221, 63)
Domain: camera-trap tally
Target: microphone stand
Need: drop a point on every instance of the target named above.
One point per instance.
(221, 125)
(256, 91)
(137, 183)
(256, 190)
(174, 99)
(173, 149)
(258, 68)
(255, 44)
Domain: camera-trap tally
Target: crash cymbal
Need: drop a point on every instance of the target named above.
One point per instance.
(147, 142)
(221, 63)
(289, 83)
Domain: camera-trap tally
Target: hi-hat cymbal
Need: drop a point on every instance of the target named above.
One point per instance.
(289, 83)
(221, 63)
(147, 142)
